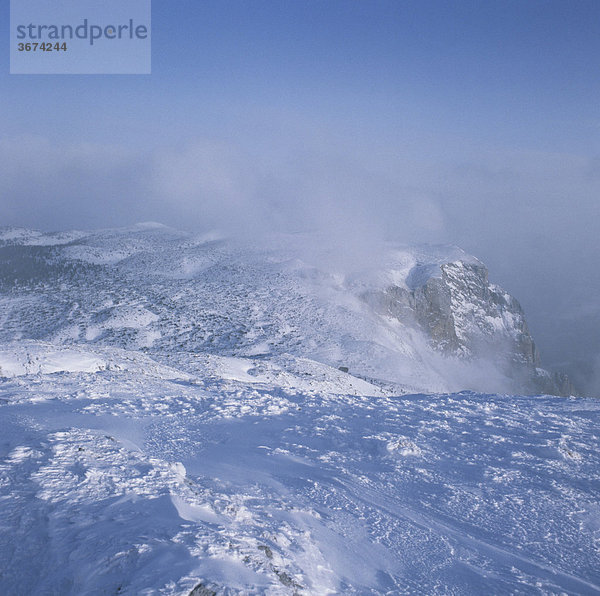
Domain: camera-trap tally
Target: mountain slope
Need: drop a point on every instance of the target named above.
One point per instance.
(194, 416)
(141, 479)
(409, 318)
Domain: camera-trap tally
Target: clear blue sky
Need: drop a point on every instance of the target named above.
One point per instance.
(476, 123)
(523, 74)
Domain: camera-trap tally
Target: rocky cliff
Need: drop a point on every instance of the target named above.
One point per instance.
(411, 319)
(463, 315)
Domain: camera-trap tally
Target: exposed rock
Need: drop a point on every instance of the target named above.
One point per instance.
(268, 552)
(465, 316)
(202, 590)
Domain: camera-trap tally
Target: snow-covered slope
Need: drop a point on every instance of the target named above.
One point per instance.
(137, 479)
(187, 415)
(407, 318)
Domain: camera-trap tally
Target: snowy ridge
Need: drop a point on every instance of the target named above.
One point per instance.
(125, 482)
(186, 415)
(411, 318)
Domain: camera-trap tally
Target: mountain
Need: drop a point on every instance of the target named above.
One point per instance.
(194, 416)
(405, 318)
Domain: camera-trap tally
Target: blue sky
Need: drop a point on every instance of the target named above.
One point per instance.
(518, 74)
(476, 123)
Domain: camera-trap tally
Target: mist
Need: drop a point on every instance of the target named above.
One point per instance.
(532, 218)
(362, 122)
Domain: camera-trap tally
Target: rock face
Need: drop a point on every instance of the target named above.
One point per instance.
(464, 315)
(411, 319)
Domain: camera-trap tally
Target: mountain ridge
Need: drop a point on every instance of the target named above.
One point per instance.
(421, 318)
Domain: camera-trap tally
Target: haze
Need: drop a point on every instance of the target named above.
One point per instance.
(470, 123)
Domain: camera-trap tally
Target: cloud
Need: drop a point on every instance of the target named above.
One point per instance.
(530, 216)
(205, 184)
(206, 181)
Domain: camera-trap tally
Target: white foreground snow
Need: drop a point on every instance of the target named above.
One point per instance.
(119, 475)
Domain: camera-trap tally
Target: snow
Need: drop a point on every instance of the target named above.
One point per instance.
(176, 412)
(20, 361)
(153, 482)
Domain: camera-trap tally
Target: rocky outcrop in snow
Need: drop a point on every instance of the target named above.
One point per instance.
(464, 315)
(412, 319)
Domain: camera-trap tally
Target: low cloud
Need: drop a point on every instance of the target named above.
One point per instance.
(205, 185)
(531, 217)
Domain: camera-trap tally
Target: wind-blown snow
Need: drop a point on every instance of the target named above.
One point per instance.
(122, 481)
(182, 415)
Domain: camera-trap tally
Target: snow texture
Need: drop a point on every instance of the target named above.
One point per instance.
(174, 420)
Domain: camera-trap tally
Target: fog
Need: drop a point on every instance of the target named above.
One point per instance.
(475, 124)
(532, 218)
